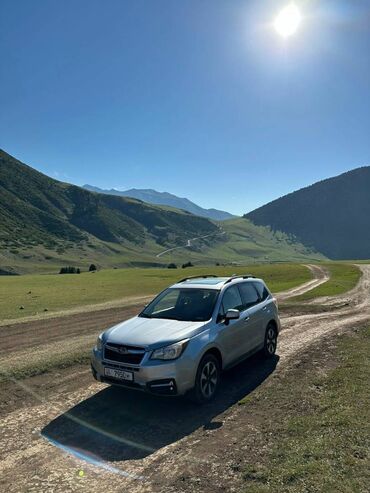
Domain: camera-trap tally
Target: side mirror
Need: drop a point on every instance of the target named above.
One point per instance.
(231, 314)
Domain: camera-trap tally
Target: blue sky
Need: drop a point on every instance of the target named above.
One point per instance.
(199, 98)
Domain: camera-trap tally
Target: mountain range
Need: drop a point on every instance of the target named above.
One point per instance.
(165, 198)
(45, 223)
(38, 213)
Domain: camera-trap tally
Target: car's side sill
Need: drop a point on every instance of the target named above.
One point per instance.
(244, 357)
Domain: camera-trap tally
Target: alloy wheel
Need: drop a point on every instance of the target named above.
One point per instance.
(208, 379)
(271, 341)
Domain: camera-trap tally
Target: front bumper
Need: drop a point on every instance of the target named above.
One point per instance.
(174, 377)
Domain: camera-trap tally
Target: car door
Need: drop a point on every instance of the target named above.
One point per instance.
(254, 328)
(230, 336)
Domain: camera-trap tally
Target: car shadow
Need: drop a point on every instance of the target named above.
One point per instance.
(117, 424)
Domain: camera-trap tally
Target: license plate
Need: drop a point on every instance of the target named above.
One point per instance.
(119, 374)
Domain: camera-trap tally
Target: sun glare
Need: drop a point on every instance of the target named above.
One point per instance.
(287, 21)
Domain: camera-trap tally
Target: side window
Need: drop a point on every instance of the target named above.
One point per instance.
(249, 294)
(262, 291)
(231, 299)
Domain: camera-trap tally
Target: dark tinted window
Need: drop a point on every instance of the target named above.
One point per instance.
(249, 294)
(262, 291)
(231, 299)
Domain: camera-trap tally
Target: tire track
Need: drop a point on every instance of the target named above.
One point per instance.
(320, 275)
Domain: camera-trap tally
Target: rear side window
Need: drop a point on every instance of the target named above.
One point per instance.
(262, 291)
(249, 294)
(231, 299)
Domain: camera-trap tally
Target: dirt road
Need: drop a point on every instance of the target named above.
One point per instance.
(40, 339)
(319, 275)
(61, 432)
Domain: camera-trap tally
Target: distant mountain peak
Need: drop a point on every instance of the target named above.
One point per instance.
(164, 198)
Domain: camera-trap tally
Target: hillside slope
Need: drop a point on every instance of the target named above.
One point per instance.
(247, 242)
(332, 216)
(165, 198)
(45, 224)
(36, 209)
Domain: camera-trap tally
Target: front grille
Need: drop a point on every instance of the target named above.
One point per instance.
(119, 366)
(123, 354)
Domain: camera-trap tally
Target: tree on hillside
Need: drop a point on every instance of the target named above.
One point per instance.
(171, 266)
(92, 268)
(187, 264)
(69, 270)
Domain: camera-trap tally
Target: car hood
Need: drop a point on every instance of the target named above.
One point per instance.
(151, 333)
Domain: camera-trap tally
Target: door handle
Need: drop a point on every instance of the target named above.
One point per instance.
(247, 318)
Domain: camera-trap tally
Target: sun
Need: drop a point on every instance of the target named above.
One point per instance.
(288, 21)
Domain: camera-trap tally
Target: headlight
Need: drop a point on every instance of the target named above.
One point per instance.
(170, 352)
(99, 343)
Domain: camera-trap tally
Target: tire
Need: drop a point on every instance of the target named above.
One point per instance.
(270, 344)
(207, 380)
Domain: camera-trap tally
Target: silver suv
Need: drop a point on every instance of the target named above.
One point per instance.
(187, 335)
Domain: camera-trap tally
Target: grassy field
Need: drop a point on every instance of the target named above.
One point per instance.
(321, 443)
(343, 277)
(36, 293)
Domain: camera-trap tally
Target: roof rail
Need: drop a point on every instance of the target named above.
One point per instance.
(196, 277)
(243, 276)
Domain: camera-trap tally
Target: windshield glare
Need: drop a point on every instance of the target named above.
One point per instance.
(188, 304)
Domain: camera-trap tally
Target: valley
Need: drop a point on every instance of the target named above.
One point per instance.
(47, 224)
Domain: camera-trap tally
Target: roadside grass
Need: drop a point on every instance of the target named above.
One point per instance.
(343, 278)
(38, 366)
(47, 357)
(318, 438)
(55, 292)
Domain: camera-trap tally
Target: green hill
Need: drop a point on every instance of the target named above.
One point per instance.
(45, 224)
(244, 243)
(331, 216)
(37, 212)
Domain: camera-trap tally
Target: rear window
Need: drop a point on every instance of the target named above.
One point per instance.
(249, 294)
(262, 291)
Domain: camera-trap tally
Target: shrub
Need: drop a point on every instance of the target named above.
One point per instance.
(172, 266)
(69, 270)
(187, 264)
(92, 268)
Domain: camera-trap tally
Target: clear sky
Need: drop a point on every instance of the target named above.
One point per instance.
(200, 98)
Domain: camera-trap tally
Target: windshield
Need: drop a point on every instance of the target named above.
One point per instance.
(192, 305)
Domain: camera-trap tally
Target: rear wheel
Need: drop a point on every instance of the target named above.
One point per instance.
(269, 348)
(207, 379)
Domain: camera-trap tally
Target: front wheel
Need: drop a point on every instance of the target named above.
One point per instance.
(206, 380)
(269, 347)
